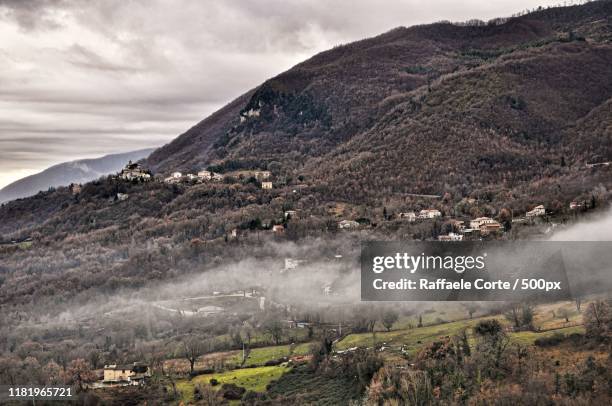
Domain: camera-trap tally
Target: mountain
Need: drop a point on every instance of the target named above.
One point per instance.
(81, 171)
(494, 118)
(427, 109)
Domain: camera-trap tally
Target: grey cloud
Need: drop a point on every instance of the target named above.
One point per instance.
(77, 76)
(83, 57)
(32, 14)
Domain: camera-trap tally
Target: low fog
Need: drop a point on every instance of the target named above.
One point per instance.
(319, 281)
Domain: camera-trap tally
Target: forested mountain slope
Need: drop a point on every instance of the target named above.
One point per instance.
(490, 116)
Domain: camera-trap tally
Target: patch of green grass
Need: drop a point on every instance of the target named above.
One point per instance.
(412, 339)
(415, 338)
(255, 379)
(260, 356)
(528, 337)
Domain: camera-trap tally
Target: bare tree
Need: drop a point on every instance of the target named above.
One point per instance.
(191, 349)
(389, 317)
(471, 309)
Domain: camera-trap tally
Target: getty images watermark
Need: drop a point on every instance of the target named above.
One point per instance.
(483, 271)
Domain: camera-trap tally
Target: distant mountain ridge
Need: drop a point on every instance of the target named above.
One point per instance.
(80, 171)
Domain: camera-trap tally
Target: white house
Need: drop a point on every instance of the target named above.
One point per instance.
(122, 196)
(537, 211)
(450, 237)
(266, 185)
(429, 214)
(290, 214)
(477, 222)
(217, 177)
(176, 175)
(410, 216)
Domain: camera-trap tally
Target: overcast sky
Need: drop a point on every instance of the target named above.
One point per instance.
(81, 79)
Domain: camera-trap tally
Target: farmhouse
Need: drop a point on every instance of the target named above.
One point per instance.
(122, 196)
(130, 374)
(537, 211)
(290, 214)
(266, 185)
(429, 214)
(133, 171)
(278, 229)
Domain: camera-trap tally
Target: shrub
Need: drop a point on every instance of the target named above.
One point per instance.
(551, 341)
(231, 391)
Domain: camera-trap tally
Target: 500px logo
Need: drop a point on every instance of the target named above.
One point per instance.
(412, 263)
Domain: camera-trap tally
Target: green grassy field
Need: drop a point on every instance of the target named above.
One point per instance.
(260, 356)
(412, 339)
(255, 379)
(528, 337)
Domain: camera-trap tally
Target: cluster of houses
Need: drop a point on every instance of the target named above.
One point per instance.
(481, 226)
(202, 176)
(135, 172)
(207, 176)
(425, 214)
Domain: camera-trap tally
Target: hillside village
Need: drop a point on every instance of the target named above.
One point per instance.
(453, 228)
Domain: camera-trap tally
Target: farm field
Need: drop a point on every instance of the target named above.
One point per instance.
(253, 379)
(260, 356)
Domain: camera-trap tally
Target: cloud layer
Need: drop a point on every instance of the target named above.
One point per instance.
(82, 79)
